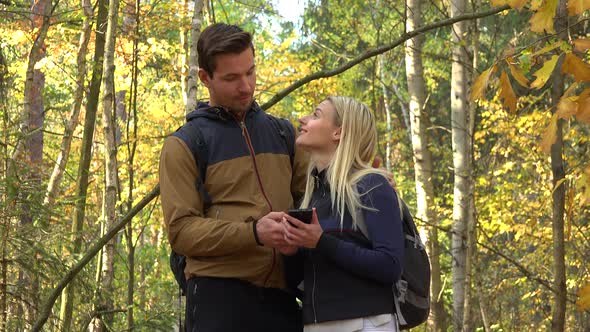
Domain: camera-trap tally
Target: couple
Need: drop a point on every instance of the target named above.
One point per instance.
(244, 261)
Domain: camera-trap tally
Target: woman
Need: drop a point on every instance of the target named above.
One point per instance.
(347, 276)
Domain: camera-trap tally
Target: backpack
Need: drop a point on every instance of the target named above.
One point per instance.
(411, 293)
(192, 136)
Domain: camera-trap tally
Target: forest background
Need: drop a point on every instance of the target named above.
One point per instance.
(483, 114)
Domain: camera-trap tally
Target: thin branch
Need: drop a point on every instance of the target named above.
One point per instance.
(523, 270)
(376, 51)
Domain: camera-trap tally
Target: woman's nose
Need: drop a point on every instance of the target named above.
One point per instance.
(303, 120)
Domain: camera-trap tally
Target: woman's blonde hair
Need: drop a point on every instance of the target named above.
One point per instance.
(352, 159)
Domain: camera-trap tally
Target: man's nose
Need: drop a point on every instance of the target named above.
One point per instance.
(245, 85)
(303, 120)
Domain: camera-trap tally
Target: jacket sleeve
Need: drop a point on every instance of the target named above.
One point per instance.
(383, 261)
(189, 232)
(299, 178)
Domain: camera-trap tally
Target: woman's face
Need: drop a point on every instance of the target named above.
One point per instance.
(318, 131)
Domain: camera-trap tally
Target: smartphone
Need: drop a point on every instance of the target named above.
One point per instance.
(302, 214)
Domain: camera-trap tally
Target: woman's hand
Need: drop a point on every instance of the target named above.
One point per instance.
(300, 234)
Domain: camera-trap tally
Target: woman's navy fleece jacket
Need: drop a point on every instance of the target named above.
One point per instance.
(347, 275)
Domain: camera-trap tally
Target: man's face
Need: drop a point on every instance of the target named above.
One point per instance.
(233, 81)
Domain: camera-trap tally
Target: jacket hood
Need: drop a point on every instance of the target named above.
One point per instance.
(216, 112)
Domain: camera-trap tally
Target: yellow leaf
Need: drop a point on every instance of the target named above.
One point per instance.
(567, 107)
(584, 183)
(550, 135)
(581, 44)
(544, 73)
(536, 4)
(547, 48)
(569, 212)
(583, 113)
(576, 67)
(506, 93)
(517, 72)
(570, 91)
(583, 301)
(517, 4)
(542, 20)
(498, 3)
(481, 82)
(577, 7)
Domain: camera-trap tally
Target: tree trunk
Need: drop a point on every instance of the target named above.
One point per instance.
(33, 145)
(422, 155)
(468, 308)
(86, 156)
(461, 162)
(193, 66)
(4, 197)
(64, 153)
(109, 129)
(483, 309)
(560, 186)
(131, 149)
(386, 101)
(185, 55)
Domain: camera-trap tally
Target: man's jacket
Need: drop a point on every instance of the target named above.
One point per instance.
(249, 174)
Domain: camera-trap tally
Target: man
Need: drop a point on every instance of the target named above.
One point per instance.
(234, 269)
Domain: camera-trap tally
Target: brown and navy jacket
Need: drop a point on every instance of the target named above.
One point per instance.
(249, 173)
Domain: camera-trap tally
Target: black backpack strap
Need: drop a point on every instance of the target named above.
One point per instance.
(287, 132)
(193, 138)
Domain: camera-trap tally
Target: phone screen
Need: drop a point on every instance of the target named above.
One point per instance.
(302, 214)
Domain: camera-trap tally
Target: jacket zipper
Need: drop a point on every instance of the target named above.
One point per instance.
(253, 155)
(315, 316)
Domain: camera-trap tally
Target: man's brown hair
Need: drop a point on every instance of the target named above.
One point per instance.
(221, 38)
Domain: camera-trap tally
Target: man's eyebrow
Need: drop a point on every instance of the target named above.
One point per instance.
(237, 74)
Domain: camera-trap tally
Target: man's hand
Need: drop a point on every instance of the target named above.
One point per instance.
(390, 179)
(270, 230)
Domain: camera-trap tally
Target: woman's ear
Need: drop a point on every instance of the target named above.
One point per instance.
(336, 134)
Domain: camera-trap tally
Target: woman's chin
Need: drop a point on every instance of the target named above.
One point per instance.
(303, 146)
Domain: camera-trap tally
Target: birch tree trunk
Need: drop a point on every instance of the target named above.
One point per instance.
(470, 257)
(422, 156)
(185, 55)
(64, 153)
(193, 64)
(67, 300)
(461, 143)
(559, 188)
(110, 200)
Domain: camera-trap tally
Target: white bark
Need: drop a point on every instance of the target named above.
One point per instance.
(461, 143)
(109, 128)
(193, 66)
(421, 154)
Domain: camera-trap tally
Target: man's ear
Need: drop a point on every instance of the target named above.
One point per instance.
(204, 77)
